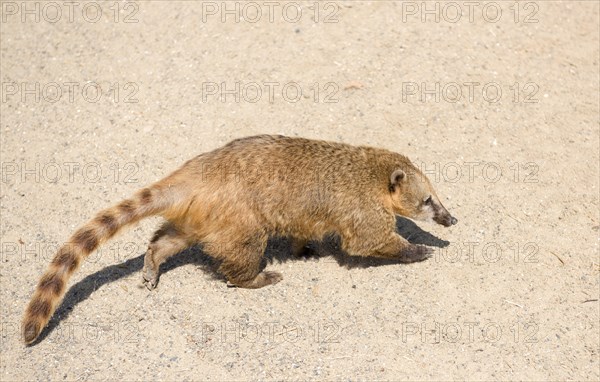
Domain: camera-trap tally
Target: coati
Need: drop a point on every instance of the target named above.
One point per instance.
(234, 198)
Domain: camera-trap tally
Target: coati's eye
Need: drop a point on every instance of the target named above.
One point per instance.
(428, 200)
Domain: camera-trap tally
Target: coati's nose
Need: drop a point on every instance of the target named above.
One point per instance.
(453, 220)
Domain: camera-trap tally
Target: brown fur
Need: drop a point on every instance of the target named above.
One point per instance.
(234, 198)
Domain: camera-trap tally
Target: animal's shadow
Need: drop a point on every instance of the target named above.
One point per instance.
(278, 249)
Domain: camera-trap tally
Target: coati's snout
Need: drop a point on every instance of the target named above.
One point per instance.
(414, 197)
(434, 210)
(445, 218)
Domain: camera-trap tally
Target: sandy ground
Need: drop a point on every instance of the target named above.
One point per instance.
(501, 109)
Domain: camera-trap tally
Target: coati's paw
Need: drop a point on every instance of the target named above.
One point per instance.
(272, 277)
(416, 253)
(150, 277)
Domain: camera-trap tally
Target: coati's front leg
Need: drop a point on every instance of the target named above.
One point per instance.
(388, 245)
(399, 248)
(166, 242)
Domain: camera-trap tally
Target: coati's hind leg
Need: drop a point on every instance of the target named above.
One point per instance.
(242, 260)
(166, 242)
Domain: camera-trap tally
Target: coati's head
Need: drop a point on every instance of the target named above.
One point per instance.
(414, 197)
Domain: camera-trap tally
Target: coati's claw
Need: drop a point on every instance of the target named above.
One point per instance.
(150, 278)
(416, 253)
(151, 284)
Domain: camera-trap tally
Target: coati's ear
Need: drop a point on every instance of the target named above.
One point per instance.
(397, 177)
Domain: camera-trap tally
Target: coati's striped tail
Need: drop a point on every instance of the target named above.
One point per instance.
(51, 288)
